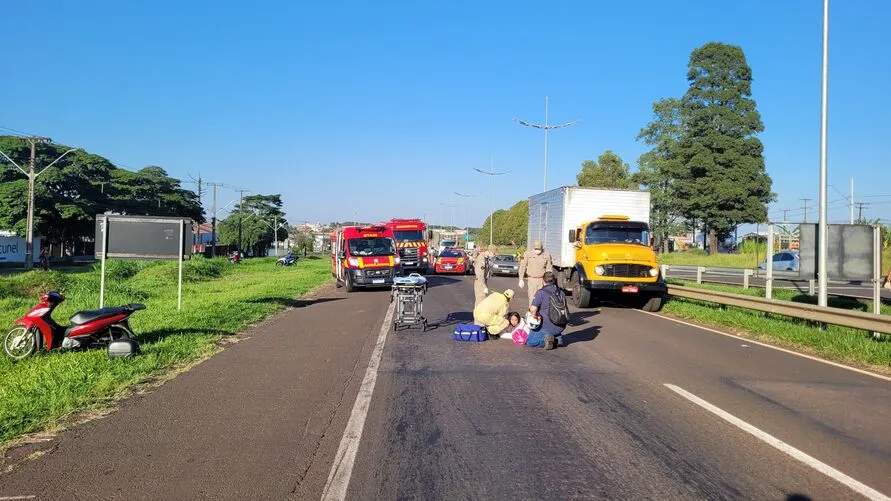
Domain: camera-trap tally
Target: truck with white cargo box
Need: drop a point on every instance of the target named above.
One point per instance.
(600, 243)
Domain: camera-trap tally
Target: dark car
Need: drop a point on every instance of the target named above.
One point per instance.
(505, 264)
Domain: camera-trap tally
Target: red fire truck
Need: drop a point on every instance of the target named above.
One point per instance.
(363, 256)
(411, 241)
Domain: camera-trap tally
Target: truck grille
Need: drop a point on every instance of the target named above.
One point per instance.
(409, 252)
(378, 273)
(626, 270)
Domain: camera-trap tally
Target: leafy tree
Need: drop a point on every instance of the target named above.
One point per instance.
(68, 196)
(255, 216)
(716, 164)
(658, 169)
(510, 226)
(150, 191)
(609, 171)
(304, 241)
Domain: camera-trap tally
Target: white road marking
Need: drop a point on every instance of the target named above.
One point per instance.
(11, 498)
(342, 469)
(765, 437)
(784, 350)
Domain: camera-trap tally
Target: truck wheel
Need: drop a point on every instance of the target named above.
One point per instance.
(349, 283)
(581, 297)
(653, 304)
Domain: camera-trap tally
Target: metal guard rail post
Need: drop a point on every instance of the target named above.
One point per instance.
(836, 316)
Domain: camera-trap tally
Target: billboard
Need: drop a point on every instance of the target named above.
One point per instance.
(12, 249)
(850, 252)
(145, 237)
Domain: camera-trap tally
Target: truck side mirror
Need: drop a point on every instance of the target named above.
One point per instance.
(571, 236)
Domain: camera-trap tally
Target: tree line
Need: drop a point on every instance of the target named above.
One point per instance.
(705, 167)
(69, 195)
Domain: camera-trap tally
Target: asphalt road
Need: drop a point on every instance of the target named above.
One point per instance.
(834, 289)
(619, 413)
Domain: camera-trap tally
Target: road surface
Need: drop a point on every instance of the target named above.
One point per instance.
(855, 290)
(635, 407)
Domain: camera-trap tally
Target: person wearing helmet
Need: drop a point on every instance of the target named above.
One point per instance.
(491, 312)
(548, 334)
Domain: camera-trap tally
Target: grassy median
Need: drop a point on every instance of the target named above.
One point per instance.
(219, 299)
(850, 346)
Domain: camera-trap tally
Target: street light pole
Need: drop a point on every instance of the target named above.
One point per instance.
(491, 175)
(822, 281)
(32, 178)
(467, 220)
(546, 127)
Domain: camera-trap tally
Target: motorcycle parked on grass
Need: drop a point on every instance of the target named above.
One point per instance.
(287, 260)
(107, 327)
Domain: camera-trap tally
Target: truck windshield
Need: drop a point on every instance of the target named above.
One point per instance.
(375, 246)
(598, 234)
(409, 235)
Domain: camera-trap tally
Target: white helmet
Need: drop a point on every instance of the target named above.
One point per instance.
(533, 321)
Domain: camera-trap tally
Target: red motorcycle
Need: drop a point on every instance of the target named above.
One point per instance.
(89, 329)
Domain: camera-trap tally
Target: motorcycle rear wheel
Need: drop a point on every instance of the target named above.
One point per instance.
(20, 343)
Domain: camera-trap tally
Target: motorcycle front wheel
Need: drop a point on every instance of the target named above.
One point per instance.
(20, 343)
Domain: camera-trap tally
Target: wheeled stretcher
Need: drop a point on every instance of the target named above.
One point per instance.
(408, 294)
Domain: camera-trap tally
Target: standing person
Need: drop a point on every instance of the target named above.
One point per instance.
(44, 260)
(535, 263)
(481, 272)
(550, 333)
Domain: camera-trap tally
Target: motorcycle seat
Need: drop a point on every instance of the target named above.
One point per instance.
(83, 317)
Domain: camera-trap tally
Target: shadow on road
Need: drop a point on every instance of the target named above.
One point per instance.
(580, 317)
(454, 318)
(295, 303)
(438, 280)
(797, 497)
(589, 334)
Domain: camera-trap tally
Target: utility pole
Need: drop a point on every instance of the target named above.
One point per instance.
(805, 200)
(213, 220)
(852, 200)
(491, 175)
(546, 127)
(785, 215)
(240, 216)
(860, 206)
(32, 178)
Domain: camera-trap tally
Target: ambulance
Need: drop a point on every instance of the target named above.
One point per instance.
(411, 242)
(363, 256)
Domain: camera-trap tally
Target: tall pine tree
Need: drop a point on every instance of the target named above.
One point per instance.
(720, 178)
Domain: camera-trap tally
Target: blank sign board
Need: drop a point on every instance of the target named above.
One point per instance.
(145, 237)
(850, 253)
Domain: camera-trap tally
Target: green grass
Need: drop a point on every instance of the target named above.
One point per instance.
(219, 300)
(697, 257)
(850, 346)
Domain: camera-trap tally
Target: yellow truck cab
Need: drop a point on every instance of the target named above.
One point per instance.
(599, 241)
(614, 260)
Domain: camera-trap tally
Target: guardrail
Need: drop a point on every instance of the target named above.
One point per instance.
(836, 316)
(718, 275)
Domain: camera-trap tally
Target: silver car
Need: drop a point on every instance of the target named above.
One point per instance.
(505, 264)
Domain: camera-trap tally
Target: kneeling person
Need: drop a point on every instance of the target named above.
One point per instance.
(491, 311)
(550, 305)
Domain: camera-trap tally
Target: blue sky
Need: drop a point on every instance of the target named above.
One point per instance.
(382, 109)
